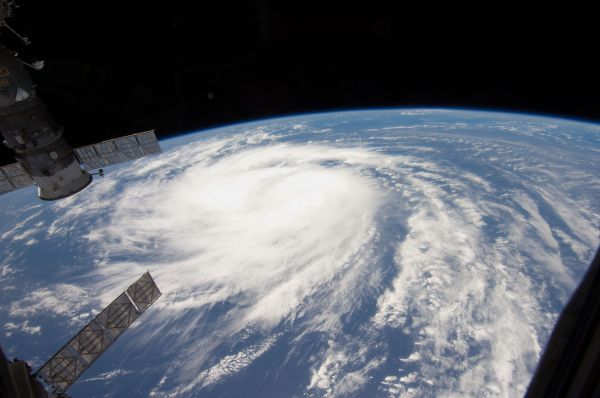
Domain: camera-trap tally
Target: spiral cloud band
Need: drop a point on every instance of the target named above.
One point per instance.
(385, 260)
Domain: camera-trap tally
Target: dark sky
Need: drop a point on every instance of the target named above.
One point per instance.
(117, 67)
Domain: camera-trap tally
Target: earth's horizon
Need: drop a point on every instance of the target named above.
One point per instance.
(376, 253)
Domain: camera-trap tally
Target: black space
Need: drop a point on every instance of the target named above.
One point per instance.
(117, 67)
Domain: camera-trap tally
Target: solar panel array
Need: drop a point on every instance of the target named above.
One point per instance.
(14, 176)
(118, 150)
(65, 367)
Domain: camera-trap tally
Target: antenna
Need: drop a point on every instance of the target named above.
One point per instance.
(6, 11)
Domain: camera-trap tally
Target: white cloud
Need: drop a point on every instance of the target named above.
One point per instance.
(107, 376)
(60, 299)
(263, 229)
(246, 237)
(22, 327)
(16, 232)
(227, 366)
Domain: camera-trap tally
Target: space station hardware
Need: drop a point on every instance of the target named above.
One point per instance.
(65, 367)
(6, 11)
(44, 157)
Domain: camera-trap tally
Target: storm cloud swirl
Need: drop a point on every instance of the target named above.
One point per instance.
(338, 268)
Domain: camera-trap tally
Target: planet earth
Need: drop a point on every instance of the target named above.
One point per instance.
(379, 253)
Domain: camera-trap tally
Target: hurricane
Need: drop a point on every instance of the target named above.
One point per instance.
(381, 253)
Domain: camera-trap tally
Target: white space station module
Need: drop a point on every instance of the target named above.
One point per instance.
(44, 157)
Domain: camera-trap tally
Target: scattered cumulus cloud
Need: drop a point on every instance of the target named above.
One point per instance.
(23, 327)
